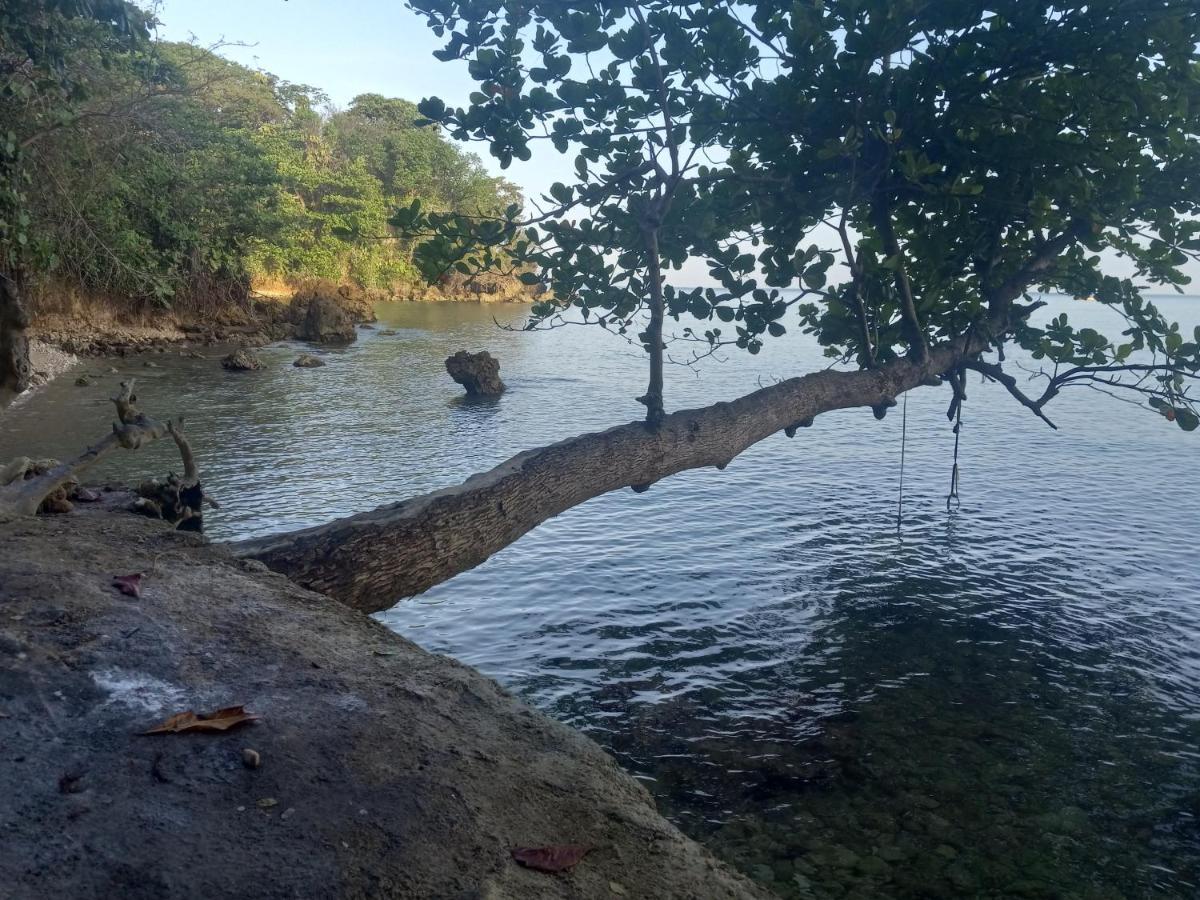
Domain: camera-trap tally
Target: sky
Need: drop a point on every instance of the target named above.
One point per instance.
(345, 48)
(350, 47)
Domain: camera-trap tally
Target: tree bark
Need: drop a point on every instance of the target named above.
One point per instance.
(654, 331)
(372, 560)
(15, 367)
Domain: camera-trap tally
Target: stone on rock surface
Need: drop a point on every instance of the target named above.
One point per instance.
(478, 373)
(308, 361)
(241, 361)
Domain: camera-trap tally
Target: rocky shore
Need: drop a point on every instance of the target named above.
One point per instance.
(373, 769)
(323, 314)
(262, 319)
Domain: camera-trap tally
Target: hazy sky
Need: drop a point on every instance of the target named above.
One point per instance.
(369, 46)
(344, 48)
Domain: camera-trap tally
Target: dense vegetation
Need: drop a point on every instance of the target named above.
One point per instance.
(164, 174)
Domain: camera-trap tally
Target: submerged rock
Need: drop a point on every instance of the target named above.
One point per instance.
(308, 361)
(241, 361)
(479, 373)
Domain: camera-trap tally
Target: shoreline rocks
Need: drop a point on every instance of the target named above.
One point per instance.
(308, 361)
(241, 361)
(325, 322)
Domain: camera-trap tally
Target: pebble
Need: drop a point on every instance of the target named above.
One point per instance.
(251, 758)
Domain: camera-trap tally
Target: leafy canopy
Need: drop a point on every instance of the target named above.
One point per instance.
(908, 169)
(155, 172)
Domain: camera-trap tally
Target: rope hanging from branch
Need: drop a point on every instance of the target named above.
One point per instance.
(903, 442)
(957, 381)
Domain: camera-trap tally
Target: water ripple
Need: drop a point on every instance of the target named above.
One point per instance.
(1002, 700)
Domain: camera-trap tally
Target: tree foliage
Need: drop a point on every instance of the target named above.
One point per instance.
(162, 172)
(887, 175)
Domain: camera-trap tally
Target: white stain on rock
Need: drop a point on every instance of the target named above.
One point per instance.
(137, 690)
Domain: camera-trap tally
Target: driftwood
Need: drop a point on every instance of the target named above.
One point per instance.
(176, 499)
(25, 486)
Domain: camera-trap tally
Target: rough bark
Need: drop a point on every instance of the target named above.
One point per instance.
(15, 368)
(372, 560)
(654, 332)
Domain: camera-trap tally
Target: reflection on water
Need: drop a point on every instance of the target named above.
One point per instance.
(1003, 701)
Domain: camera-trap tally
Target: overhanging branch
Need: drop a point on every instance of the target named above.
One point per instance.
(372, 560)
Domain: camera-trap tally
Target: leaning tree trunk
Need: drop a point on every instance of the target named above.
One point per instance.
(371, 560)
(15, 368)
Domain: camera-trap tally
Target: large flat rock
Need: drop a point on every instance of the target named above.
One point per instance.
(386, 771)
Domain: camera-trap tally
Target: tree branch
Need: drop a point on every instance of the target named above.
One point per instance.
(997, 374)
(372, 560)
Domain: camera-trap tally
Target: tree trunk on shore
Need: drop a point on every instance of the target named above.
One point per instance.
(371, 560)
(15, 368)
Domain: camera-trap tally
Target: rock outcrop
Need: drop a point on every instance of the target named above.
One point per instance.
(326, 313)
(375, 769)
(478, 373)
(326, 323)
(241, 361)
(308, 361)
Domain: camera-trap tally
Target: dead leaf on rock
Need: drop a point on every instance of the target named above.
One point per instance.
(130, 585)
(220, 720)
(556, 858)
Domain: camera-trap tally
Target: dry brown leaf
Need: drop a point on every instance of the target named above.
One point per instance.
(130, 585)
(220, 720)
(557, 858)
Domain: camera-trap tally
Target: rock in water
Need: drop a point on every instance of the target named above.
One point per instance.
(326, 323)
(308, 361)
(241, 361)
(479, 373)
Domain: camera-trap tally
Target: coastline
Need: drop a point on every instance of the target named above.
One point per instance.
(265, 317)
